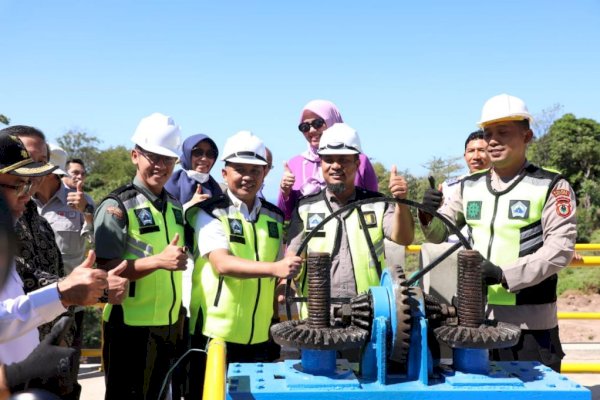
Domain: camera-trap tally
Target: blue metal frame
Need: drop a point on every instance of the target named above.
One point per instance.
(475, 377)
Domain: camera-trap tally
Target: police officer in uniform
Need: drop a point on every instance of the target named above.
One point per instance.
(141, 223)
(357, 258)
(239, 246)
(522, 220)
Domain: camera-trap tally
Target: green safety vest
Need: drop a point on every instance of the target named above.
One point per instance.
(507, 225)
(155, 299)
(366, 250)
(235, 309)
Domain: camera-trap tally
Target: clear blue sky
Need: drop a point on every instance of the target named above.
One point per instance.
(411, 77)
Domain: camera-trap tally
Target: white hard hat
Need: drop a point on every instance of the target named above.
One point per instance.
(58, 157)
(157, 133)
(504, 107)
(245, 148)
(339, 139)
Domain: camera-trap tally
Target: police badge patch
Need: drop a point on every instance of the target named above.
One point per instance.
(473, 210)
(314, 219)
(518, 209)
(273, 230)
(563, 207)
(145, 220)
(178, 216)
(235, 227)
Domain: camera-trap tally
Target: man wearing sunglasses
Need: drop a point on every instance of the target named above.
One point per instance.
(142, 224)
(355, 240)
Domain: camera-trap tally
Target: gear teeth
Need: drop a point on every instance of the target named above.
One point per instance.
(402, 295)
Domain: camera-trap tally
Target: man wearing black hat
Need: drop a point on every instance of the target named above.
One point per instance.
(20, 314)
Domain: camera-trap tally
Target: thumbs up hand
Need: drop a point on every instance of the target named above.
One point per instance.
(173, 257)
(84, 285)
(77, 198)
(288, 180)
(117, 285)
(398, 186)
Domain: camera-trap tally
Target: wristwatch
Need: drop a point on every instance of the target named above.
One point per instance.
(89, 209)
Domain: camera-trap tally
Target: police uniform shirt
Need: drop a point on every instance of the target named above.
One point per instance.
(559, 235)
(209, 231)
(343, 283)
(71, 231)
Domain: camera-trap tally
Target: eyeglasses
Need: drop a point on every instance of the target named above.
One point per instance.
(21, 189)
(316, 123)
(157, 158)
(198, 152)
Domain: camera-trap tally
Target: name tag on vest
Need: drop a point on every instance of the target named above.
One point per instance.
(370, 219)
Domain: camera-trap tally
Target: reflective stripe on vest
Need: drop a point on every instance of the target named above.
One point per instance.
(234, 309)
(506, 225)
(153, 298)
(364, 265)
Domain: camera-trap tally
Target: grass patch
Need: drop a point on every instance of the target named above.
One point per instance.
(583, 279)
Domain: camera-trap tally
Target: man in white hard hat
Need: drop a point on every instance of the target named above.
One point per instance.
(358, 259)
(239, 242)
(522, 219)
(141, 223)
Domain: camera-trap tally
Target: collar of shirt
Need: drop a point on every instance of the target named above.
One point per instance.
(249, 215)
(60, 195)
(334, 202)
(500, 184)
(156, 200)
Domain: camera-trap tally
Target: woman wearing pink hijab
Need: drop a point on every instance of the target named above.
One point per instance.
(302, 174)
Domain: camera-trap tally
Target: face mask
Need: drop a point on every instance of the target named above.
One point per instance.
(200, 177)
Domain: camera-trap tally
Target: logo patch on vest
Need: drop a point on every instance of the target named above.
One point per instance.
(314, 219)
(144, 217)
(370, 219)
(563, 207)
(273, 231)
(235, 226)
(518, 209)
(178, 216)
(473, 210)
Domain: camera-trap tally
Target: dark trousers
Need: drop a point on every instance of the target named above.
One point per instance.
(244, 353)
(534, 345)
(136, 358)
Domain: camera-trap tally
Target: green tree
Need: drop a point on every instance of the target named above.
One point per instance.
(113, 168)
(81, 145)
(4, 119)
(571, 146)
(444, 168)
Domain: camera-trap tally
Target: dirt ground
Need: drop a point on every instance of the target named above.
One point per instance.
(579, 331)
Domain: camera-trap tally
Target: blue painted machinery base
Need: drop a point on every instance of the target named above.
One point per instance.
(318, 375)
(505, 380)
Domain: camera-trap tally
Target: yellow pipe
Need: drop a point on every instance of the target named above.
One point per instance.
(578, 315)
(587, 261)
(580, 367)
(587, 246)
(216, 369)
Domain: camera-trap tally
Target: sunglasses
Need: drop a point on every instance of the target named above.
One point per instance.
(157, 158)
(198, 152)
(21, 189)
(316, 123)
